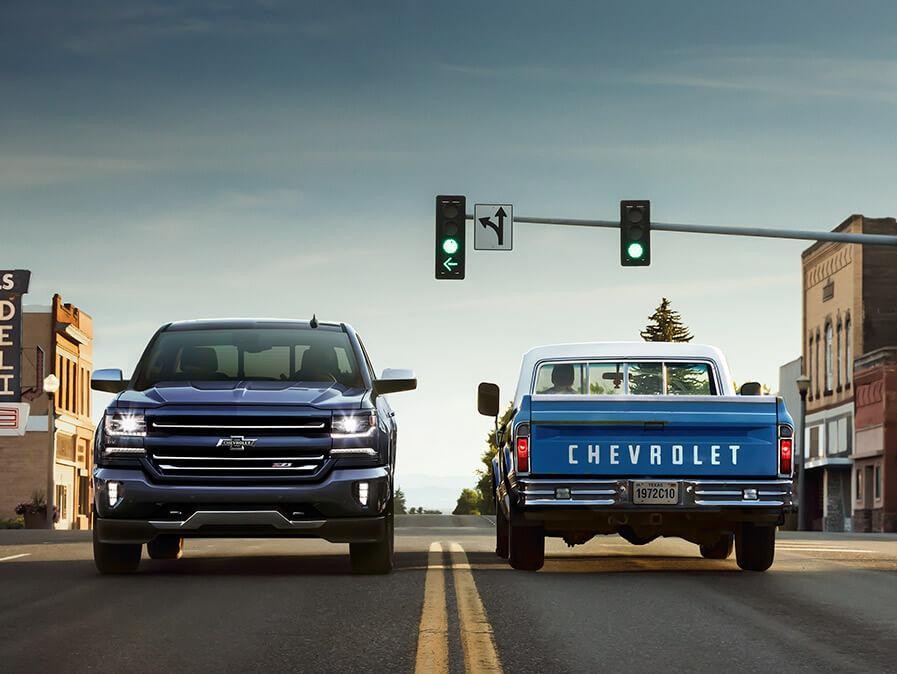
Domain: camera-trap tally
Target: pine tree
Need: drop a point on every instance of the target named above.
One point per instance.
(398, 500)
(665, 325)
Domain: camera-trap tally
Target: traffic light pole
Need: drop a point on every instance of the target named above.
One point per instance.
(840, 237)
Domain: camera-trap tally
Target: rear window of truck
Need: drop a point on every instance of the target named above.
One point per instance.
(625, 378)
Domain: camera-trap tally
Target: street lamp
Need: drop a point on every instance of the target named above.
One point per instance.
(803, 387)
(51, 386)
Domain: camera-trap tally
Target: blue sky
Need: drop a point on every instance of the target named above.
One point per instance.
(162, 161)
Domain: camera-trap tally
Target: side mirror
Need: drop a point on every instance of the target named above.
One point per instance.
(488, 399)
(750, 388)
(393, 381)
(109, 381)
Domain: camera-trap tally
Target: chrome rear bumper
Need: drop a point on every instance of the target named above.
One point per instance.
(693, 494)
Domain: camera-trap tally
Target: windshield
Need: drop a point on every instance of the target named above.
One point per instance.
(618, 378)
(292, 354)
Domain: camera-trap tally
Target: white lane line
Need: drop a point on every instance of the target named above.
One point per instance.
(432, 636)
(477, 640)
(491, 521)
(6, 559)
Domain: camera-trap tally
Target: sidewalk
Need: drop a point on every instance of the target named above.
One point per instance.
(38, 536)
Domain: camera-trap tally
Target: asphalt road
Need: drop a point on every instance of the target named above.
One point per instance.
(828, 604)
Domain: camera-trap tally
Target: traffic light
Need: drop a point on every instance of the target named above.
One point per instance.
(451, 213)
(635, 233)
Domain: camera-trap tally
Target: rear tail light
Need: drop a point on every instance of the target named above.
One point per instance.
(522, 455)
(786, 455)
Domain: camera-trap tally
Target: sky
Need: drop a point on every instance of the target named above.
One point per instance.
(166, 161)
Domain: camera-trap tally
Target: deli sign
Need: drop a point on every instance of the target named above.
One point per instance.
(13, 284)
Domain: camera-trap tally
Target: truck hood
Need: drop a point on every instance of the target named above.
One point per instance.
(243, 393)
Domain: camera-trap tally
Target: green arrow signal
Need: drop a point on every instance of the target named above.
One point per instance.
(449, 264)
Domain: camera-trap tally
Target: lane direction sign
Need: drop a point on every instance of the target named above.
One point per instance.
(493, 227)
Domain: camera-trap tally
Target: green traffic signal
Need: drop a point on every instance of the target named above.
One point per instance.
(450, 246)
(635, 233)
(635, 250)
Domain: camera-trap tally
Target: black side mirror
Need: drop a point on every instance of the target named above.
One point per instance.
(488, 399)
(750, 388)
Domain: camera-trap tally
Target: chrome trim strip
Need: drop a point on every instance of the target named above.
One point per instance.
(754, 503)
(310, 466)
(239, 517)
(570, 501)
(239, 458)
(306, 427)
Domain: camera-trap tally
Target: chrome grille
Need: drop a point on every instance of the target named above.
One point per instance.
(237, 444)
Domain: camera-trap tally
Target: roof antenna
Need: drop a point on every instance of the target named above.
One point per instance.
(313, 323)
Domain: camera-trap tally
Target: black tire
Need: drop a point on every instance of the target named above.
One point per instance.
(501, 532)
(755, 547)
(375, 558)
(526, 547)
(165, 547)
(721, 549)
(114, 558)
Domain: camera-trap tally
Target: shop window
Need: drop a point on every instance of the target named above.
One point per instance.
(83, 495)
(877, 481)
(858, 473)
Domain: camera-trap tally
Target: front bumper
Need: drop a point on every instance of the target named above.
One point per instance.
(330, 509)
(700, 495)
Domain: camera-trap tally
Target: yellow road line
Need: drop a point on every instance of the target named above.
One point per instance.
(432, 638)
(11, 557)
(476, 632)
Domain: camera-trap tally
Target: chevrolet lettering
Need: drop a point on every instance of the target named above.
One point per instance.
(642, 440)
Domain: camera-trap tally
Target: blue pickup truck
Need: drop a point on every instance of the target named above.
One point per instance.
(641, 440)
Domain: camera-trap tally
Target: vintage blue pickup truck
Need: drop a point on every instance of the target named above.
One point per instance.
(642, 440)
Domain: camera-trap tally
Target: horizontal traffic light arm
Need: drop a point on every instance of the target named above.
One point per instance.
(770, 233)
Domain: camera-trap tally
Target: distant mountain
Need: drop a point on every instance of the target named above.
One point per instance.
(433, 491)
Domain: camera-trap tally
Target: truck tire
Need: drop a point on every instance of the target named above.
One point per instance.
(526, 547)
(165, 547)
(755, 547)
(115, 557)
(721, 549)
(375, 558)
(501, 532)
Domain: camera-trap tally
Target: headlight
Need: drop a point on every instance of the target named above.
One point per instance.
(126, 425)
(354, 425)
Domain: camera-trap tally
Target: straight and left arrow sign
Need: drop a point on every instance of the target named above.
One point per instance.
(493, 227)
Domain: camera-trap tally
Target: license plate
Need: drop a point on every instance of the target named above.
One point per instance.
(655, 493)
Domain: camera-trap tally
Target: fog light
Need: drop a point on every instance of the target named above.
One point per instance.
(750, 494)
(363, 489)
(562, 492)
(112, 492)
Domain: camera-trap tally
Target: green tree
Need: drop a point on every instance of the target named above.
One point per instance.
(468, 503)
(484, 474)
(398, 499)
(665, 325)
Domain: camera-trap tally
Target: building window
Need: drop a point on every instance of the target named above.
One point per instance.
(859, 484)
(816, 365)
(839, 357)
(810, 372)
(813, 444)
(62, 501)
(848, 352)
(877, 481)
(829, 358)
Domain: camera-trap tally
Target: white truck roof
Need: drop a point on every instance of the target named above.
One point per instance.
(621, 350)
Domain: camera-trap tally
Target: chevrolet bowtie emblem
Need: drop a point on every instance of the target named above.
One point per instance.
(236, 442)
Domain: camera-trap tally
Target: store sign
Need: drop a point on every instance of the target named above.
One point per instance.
(13, 284)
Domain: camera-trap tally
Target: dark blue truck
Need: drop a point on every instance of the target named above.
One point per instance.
(642, 440)
(246, 428)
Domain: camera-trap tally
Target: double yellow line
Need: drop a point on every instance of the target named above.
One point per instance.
(477, 640)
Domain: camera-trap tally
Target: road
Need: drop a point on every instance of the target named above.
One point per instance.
(828, 604)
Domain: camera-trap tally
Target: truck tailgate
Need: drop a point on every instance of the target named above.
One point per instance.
(656, 436)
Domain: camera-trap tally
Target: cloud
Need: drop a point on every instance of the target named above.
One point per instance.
(35, 170)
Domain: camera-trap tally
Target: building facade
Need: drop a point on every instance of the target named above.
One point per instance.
(50, 452)
(849, 302)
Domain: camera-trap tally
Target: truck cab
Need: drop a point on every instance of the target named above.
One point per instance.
(640, 439)
(246, 428)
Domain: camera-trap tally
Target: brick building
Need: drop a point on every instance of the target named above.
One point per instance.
(849, 309)
(53, 339)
